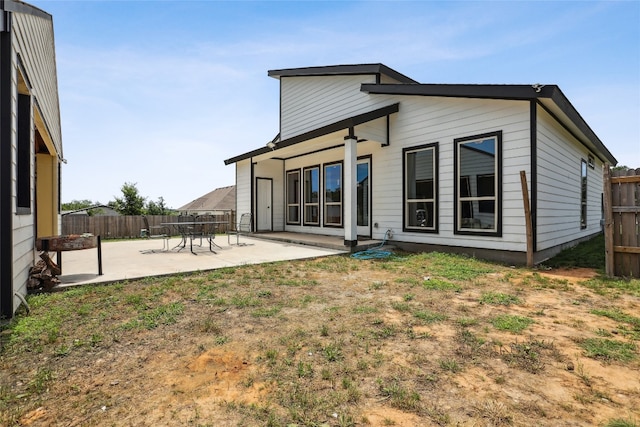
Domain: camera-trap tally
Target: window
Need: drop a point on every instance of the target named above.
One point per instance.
(333, 194)
(311, 196)
(293, 197)
(23, 173)
(363, 193)
(420, 178)
(583, 194)
(478, 184)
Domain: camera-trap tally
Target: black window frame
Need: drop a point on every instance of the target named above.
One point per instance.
(305, 203)
(434, 228)
(24, 156)
(324, 198)
(288, 204)
(459, 201)
(584, 193)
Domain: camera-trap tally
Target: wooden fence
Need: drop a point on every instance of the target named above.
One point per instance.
(622, 222)
(122, 227)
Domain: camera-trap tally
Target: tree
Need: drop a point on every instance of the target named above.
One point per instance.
(132, 203)
(158, 208)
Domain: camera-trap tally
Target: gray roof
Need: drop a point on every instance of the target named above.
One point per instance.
(220, 199)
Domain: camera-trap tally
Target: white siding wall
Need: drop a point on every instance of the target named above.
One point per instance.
(311, 102)
(308, 103)
(559, 161)
(423, 120)
(32, 38)
(243, 188)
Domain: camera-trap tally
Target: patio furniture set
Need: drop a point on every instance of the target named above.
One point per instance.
(191, 227)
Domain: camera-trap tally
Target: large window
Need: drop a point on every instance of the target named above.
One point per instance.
(478, 184)
(293, 197)
(333, 194)
(583, 194)
(311, 196)
(420, 176)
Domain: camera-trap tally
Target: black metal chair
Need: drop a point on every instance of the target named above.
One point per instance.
(243, 226)
(156, 232)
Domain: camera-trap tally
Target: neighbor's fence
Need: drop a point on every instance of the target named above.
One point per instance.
(622, 222)
(123, 227)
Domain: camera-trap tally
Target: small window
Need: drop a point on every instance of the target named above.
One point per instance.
(478, 184)
(293, 197)
(591, 162)
(333, 194)
(583, 194)
(311, 196)
(420, 178)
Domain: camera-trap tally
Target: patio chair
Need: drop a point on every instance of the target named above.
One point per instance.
(204, 228)
(242, 227)
(156, 232)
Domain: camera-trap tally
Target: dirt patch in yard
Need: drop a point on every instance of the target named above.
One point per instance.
(411, 341)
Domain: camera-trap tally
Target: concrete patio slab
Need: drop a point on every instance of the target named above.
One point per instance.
(135, 259)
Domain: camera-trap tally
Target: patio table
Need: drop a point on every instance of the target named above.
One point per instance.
(190, 230)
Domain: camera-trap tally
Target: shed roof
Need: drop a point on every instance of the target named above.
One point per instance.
(220, 199)
(342, 70)
(550, 97)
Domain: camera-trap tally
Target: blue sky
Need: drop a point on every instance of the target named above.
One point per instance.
(159, 93)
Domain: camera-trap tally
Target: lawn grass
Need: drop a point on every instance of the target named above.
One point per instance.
(333, 341)
(588, 254)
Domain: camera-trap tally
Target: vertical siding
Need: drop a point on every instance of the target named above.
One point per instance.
(559, 157)
(308, 103)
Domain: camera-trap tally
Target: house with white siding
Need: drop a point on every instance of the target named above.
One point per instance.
(30, 144)
(364, 151)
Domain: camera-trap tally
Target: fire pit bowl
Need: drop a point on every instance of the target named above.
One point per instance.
(71, 242)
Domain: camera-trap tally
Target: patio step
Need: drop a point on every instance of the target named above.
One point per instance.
(330, 242)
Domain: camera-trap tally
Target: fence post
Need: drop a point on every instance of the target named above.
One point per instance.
(527, 218)
(608, 223)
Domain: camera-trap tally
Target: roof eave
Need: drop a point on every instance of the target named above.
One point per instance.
(340, 70)
(509, 92)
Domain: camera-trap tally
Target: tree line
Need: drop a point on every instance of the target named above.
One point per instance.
(131, 203)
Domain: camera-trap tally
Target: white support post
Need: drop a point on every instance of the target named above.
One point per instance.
(350, 190)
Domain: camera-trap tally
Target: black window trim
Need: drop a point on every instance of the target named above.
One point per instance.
(498, 170)
(584, 193)
(303, 200)
(24, 156)
(430, 146)
(299, 171)
(324, 199)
